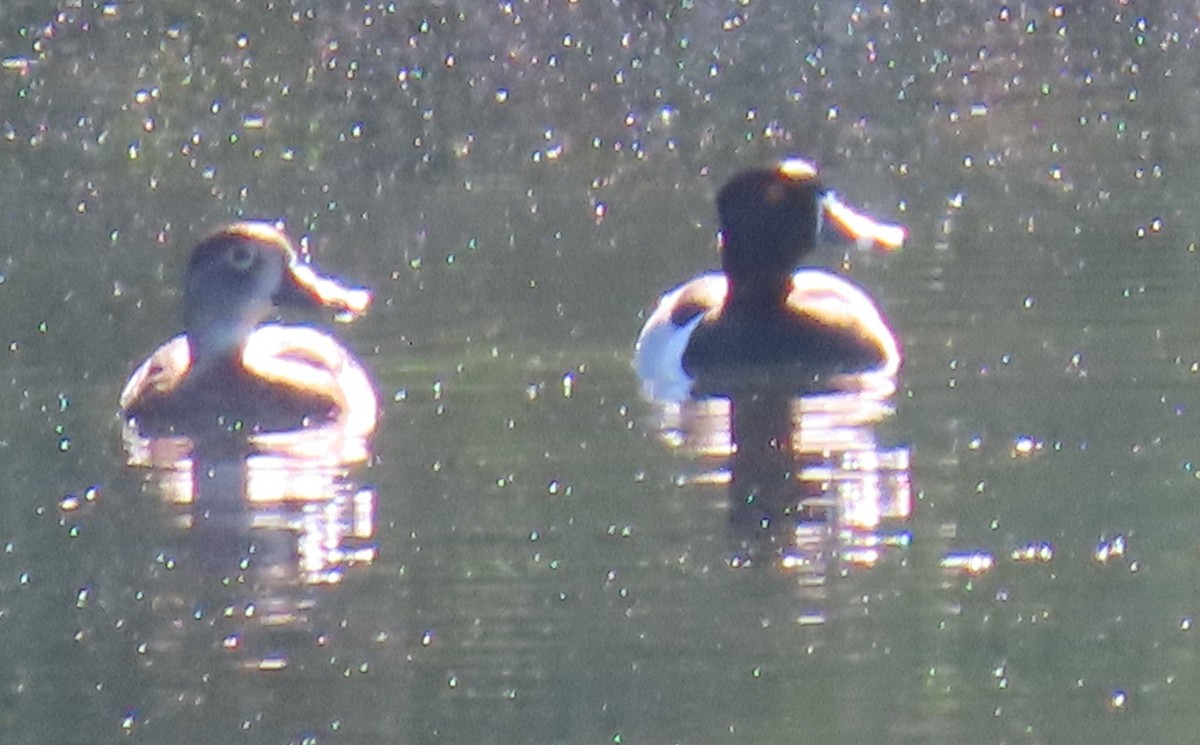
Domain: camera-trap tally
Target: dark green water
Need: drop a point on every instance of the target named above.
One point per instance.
(517, 182)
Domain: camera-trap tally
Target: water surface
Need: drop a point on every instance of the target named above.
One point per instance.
(518, 182)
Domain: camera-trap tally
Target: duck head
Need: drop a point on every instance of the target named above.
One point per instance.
(235, 279)
(769, 220)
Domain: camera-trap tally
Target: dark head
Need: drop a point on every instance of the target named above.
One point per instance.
(769, 220)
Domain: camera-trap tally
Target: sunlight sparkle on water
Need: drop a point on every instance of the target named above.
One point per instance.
(1025, 446)
(1034, 552)
(1109, 549)
(1117, 700)
(272, 663)
(975, 563)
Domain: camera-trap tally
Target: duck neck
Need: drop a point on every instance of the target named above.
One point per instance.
(757, 297)
(211, 361)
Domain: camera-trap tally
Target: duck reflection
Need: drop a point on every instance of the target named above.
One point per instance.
(251, 545)
(323, 519)
(810, 489)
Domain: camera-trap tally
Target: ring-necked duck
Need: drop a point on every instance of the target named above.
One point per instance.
(760, 313)
(228, 371)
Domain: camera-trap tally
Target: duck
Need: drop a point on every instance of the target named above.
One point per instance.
(229, 369)
(761, 314)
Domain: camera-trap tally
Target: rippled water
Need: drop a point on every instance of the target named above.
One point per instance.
(535, 554)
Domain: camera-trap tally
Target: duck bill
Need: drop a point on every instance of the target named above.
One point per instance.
(303, 287)
(855, 226)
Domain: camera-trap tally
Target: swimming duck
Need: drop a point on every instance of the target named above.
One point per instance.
(228, 370)
(759, 312)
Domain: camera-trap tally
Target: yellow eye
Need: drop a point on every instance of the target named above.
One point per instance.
(241, 256)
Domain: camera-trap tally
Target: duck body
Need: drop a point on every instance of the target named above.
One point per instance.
(292, 377)
(833, 337)
(761, 316)
(229, 371)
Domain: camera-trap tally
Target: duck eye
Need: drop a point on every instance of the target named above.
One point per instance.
(241, 256)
